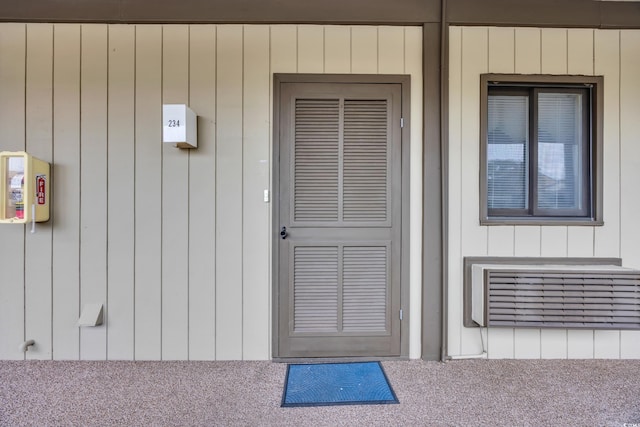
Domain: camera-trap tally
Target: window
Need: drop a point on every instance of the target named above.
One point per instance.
(540, 149)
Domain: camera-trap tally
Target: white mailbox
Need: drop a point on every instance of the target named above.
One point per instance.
(179, 126)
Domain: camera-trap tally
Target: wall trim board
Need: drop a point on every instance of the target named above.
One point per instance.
(539, 13)
(377, 12)
(545, 13)
(432, 217)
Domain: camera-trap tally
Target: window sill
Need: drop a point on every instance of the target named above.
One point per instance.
(542, 221)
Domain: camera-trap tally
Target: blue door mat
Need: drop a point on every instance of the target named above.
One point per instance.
(324, 384)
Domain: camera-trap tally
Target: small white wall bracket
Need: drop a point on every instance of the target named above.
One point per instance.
(91, 315)
(25, 345)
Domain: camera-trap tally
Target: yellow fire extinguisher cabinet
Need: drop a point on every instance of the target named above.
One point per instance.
(25, 182)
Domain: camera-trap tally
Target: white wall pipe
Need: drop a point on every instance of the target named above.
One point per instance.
(482, 355)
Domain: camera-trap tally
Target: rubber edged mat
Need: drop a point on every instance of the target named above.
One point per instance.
(323, 384)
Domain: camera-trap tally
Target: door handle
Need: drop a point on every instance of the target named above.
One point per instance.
(283, 233)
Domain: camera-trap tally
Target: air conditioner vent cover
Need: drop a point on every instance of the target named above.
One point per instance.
(563, 299)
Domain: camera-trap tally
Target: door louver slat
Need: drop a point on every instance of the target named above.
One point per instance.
(365, 160)
(315, 289)
(365, 289)
(316, 151)
(585, 299)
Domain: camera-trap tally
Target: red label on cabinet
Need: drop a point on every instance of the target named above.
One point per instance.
(41, 185)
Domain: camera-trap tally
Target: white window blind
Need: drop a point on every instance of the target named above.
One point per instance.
(560, 150)
(508, 152)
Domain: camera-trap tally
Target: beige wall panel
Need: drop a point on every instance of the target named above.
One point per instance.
(310, 49)
(337, 49)
(256, 227)
(553, 344)
(93, 193)
(580, 241)
(474, 237)
(202, 190)
(390, 50)
(39, 138)
(630, 167)
(527, 344)
(606, 344)
(580, 344)
(500, 343)
(553, 241)
(229, 193)
(607, 64)
(284, 49)
(527, 240)
(413, 66)
(12, 138)
(554, 51)
(501, 50)
(527, 47)
(630, 344)
(66, 190)
(121, 196)
(12, 73)
(454, 287)
(364, 50)
(629, 147)
(148, 191)
(175, 199)
(580, 51)
(501, 240)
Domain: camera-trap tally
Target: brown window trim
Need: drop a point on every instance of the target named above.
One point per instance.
(594, 217)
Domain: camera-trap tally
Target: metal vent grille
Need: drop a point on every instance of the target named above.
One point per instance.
(563, 299)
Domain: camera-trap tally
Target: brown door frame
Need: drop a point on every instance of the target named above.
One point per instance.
(404, 81)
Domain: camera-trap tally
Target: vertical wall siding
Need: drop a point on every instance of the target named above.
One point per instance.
(630, 166)
(147, 210)
(613, 54)
(121, 194)
(66, 156)
(38, 134)
(12, 121)
(174, 243)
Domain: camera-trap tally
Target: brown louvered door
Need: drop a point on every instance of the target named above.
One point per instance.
(340, 201)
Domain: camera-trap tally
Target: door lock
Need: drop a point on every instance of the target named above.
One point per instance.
(283, 233)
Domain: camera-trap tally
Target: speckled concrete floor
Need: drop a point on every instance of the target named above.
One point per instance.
(460, 393)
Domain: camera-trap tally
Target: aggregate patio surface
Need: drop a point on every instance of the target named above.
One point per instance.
(455, 393)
